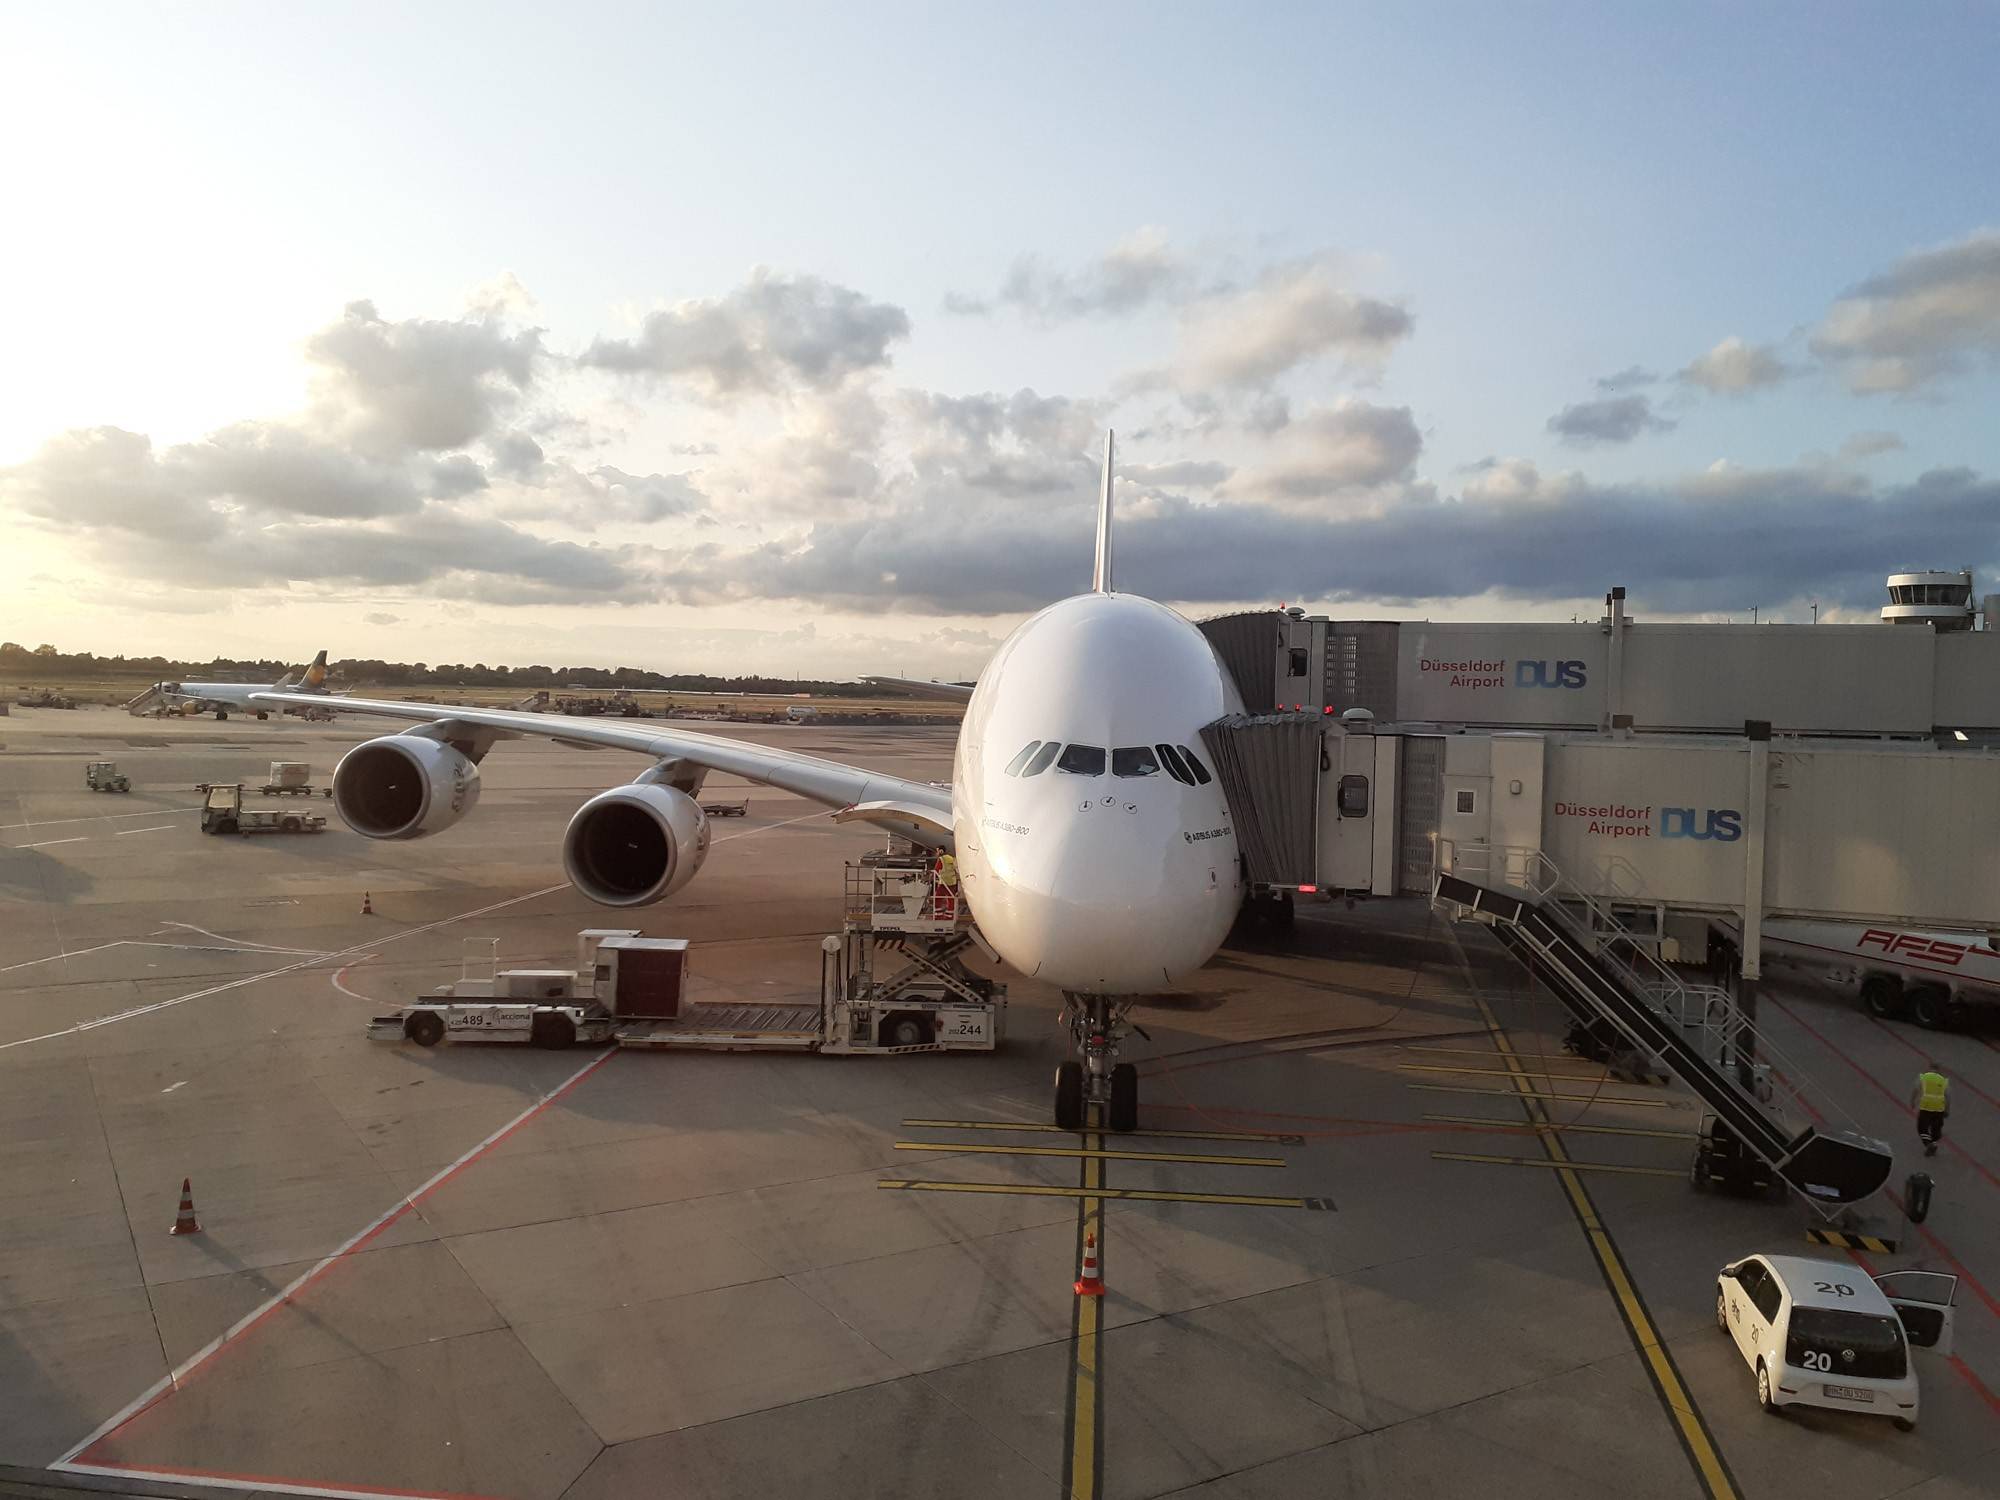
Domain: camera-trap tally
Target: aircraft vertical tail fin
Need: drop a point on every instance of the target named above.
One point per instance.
(1101, 580)
(315, 677)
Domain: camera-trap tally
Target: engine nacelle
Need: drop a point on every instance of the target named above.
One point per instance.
(404, 786)
(634, 845)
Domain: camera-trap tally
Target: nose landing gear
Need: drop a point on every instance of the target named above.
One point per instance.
(1096, 1022)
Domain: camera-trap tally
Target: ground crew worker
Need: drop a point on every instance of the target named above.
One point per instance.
(947, 891)
(1928, 1099)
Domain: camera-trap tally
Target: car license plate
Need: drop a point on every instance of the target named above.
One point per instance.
(1849, 1393)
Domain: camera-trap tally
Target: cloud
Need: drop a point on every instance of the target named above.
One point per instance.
(1182, 474)
(1292, 315)
(1718, 540)
(1921, 320)
(1348, 445)
(1138, 272)
(1629, 378)
(775, 333)
(1020, 445)
(378, 617)
(1733, 367)
(1868, 444)
(418, 386)
(1614, 419)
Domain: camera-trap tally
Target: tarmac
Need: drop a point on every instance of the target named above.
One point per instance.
(1339, 1258)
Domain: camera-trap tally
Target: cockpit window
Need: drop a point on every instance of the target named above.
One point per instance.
(1014, 765)
(1082, 760)
(1042, 758)
(1176, 767)
(1195, 765)
(1134, 760)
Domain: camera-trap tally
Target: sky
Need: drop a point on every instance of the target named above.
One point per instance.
(782, 339)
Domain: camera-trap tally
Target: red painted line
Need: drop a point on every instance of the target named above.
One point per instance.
(172, 1381)
(1966, 1374)
(1896, 1036)
(1965, 1371)
(1869, 1078)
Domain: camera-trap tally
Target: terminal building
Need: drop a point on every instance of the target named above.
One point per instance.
(1930, 672)
(1628, 804)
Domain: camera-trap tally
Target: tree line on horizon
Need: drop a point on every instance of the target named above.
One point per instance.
(46, 663)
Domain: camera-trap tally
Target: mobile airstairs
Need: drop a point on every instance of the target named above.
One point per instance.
(1623, 996)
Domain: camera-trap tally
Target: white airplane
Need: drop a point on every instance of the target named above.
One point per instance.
(221, 696)
(1095, 847)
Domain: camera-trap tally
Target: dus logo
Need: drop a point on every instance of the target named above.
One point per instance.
(1723, 824)
(1549, 674)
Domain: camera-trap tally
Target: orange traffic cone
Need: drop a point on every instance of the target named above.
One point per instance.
(185, 1221)
(367, 905)
(1089, 1284)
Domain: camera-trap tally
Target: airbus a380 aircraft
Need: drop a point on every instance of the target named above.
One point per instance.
(1095, 847)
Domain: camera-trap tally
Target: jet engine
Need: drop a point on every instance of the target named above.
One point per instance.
(634, 845)
(404, 786)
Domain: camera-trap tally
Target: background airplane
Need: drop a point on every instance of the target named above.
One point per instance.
(1096, 850)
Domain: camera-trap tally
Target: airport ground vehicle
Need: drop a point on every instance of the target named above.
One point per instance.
(292, 778)
(104, 776)
(725, 809)
(222, 811)
(1822, 1333)
(632, 990)
(1722, 1160)
(46, 698)
(1940, 980)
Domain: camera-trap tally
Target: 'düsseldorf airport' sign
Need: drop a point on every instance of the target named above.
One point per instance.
(1500, 672)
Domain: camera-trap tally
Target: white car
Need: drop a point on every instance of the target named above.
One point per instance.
(1823, 1333)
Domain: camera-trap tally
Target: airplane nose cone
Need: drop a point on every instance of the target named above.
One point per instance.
(1106, 901)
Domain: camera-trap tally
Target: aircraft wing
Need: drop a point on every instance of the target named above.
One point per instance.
(942, 692)
(825, 781)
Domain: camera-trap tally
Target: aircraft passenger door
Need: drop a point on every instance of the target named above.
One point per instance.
(1923, 1300)
(1348, 809)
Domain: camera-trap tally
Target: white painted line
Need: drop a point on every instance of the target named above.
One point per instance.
(248, 945)
(81, 838)
(342, 970)
(292, 968)
(271, 1486)
(172, 1086)
(149, 812)
(157, 827)
(172, 1379)
(29, 963)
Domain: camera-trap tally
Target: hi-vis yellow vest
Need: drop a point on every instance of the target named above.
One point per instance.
(1930, 1095)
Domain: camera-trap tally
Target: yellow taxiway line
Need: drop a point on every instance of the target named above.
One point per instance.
(1453, 1088)
(1088, 1153)
(1109, 1194)
(1276, 1138)
(1490, 1124)
(1560, 1166)
(1688, 1423)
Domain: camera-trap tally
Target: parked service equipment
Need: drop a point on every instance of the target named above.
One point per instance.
(292, 778)
(1937, 979)
(891, 981)
(548, 1007)
(104, 776)
(222, 811)
(45, 699)
(736, 809)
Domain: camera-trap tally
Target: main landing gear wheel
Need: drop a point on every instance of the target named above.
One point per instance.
(1882, 996)
(1124, 1097)
(1069, 1096)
